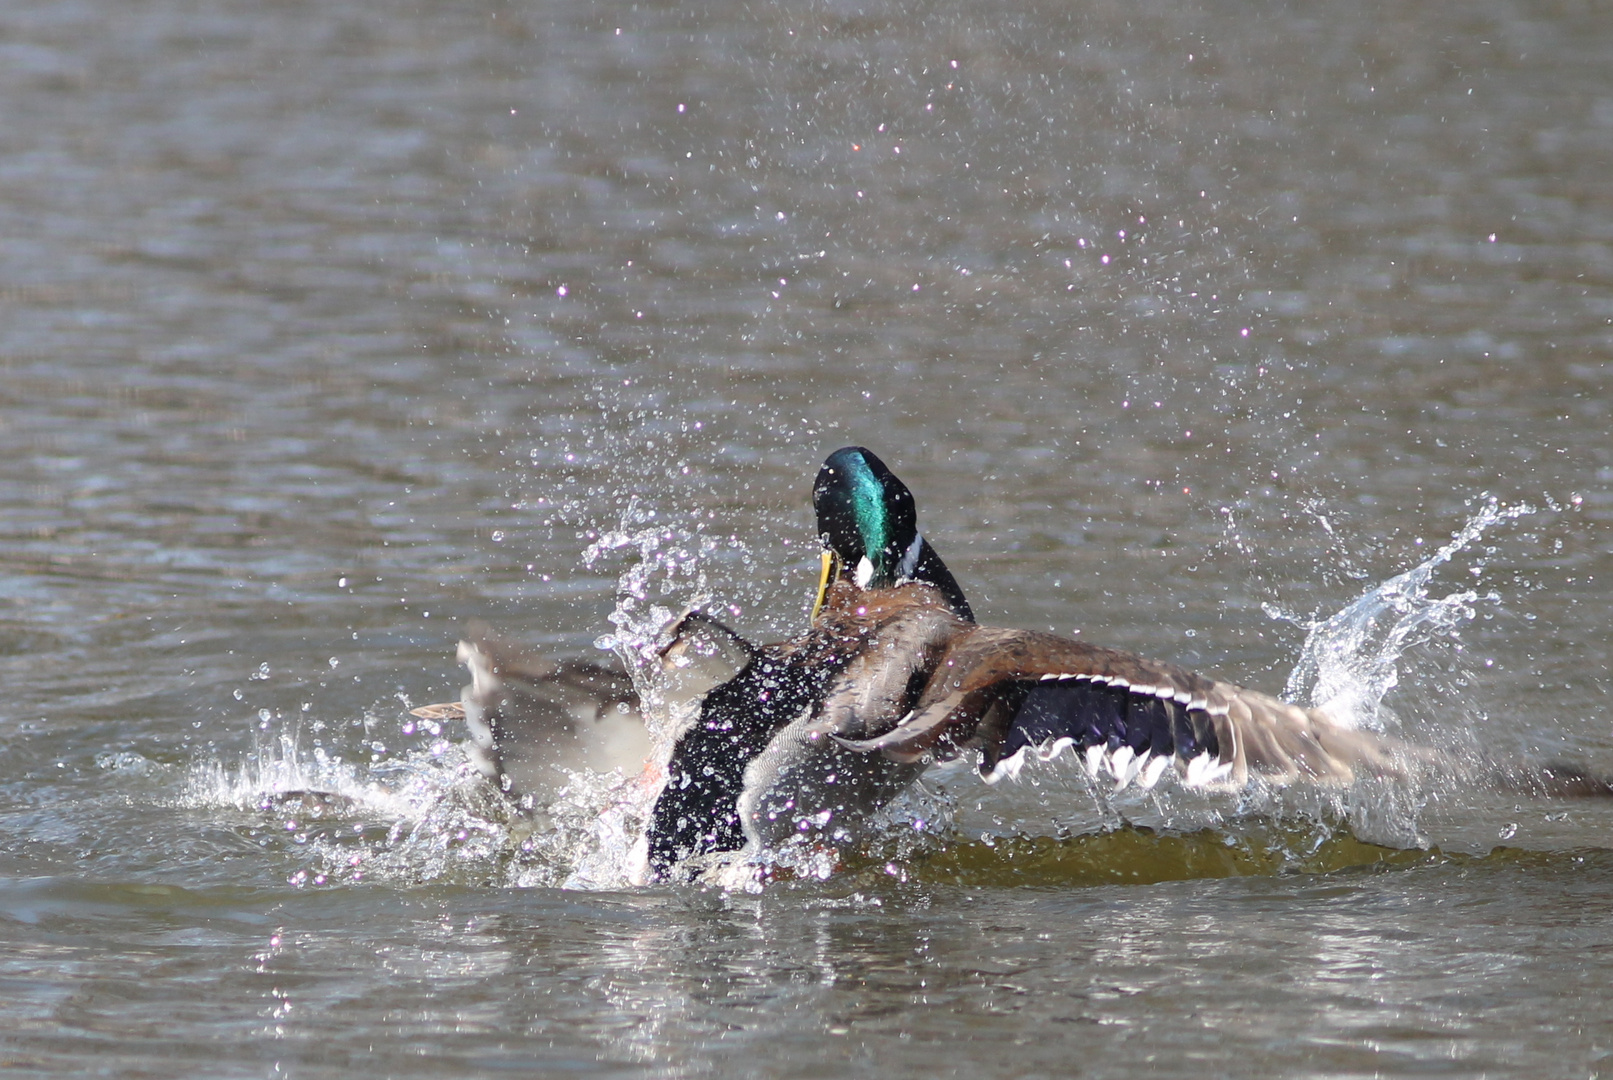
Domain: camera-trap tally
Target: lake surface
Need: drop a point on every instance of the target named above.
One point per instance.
(325, 328)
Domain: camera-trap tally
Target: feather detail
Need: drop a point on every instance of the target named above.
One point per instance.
(1129, 716)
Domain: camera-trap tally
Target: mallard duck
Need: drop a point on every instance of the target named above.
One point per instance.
(805, 739)
(814, 734)
(867, 520)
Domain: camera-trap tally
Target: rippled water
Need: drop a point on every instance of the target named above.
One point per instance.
(325, 328)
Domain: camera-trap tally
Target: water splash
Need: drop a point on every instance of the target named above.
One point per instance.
(279, 767)
(430, 814)
(600, 829)
(420, 812)
(664, 562)
(1351, 660)
(414, 813)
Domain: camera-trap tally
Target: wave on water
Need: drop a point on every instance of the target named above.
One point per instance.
(417, 810)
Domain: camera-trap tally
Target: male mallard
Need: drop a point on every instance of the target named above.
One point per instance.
(804, 739)
(816, 733)
(533, 720)
(867, 520)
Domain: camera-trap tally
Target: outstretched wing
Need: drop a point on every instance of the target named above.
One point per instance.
(1016, 693)
(1132, 734)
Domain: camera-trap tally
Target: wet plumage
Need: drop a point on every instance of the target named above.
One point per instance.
(802, 741)
(817, 733)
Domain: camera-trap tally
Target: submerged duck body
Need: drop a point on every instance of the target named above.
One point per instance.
(534, 722)
(756, 768)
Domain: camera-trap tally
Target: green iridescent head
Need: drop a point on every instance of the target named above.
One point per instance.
(864, 514)
(868, 523)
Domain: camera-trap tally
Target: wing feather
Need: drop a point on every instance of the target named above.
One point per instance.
(1132, 716)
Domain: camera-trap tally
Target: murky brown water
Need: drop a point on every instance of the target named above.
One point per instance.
(325, 327)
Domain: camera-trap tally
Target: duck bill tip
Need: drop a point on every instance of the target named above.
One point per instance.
(826, 577)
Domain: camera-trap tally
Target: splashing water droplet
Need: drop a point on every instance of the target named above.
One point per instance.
(1351, 660)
